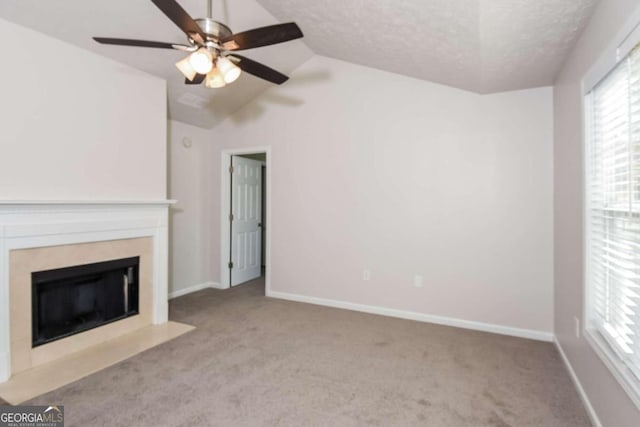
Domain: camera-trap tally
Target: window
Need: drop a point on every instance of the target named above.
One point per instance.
(613, 214)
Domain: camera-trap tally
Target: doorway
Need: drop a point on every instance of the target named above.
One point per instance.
(245, 216)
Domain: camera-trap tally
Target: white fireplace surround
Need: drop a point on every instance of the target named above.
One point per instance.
(34, 224)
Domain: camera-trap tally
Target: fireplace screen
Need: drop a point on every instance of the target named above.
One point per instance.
(70, 300)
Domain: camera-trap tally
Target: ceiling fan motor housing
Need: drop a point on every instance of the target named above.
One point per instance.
(214, 29)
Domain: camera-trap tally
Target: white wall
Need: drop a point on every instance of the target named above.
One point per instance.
(76, 125)
(400, 176)
(609, 400)
(194, 259)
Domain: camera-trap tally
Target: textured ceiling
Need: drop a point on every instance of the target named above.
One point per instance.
(479, 45)
(76, 21)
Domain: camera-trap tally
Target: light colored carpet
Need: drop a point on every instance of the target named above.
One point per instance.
(255, 361)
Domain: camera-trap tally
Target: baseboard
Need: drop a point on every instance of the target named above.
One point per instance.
(420, 317)
(576, 382)
(195, 288)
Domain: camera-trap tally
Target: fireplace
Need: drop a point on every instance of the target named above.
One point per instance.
(43, 236)
(67, 301)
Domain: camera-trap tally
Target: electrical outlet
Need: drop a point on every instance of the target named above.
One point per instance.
(366, 275)
(417, 281)
(577, 324)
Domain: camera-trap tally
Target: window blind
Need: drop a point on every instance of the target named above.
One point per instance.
(613, 210)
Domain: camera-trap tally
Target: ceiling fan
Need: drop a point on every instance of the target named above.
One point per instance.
(212, 44)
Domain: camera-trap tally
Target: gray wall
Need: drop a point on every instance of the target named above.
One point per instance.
(81, 128)
(611, 403)
(408, 191)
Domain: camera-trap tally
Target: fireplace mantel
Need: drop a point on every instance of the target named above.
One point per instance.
(39, 223)
(85, 202)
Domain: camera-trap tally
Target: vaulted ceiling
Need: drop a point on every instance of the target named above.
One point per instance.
(76, 21)
(479, 45)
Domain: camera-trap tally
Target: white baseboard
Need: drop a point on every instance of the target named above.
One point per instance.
(195, 288)
(420, 317)
(216, 285)
(576, 382)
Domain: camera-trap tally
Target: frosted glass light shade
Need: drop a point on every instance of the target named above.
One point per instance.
(214, 79)
(229, 70)
(186, 69)
(201, 60)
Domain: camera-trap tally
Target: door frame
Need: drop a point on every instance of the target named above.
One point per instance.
(225, 208)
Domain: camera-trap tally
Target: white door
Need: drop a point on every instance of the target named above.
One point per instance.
(246, 215)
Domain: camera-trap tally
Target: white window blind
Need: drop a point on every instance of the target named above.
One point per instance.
(613, 210)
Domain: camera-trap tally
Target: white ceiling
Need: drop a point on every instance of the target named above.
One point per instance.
(479, 45)
(76, 21)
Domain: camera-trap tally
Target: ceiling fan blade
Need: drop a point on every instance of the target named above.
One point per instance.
(182, 19)
(264, 36)
(199, 78)
(140, 43)
(259, 70)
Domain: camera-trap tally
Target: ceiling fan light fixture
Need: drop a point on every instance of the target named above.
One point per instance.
(214, 79)
(229, 70)
(186, 68)
(201, 60)
(212, 42)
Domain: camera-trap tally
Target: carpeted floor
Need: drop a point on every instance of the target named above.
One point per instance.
(255, 361)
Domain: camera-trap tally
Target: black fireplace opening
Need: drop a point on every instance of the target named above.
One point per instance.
(70, 300)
